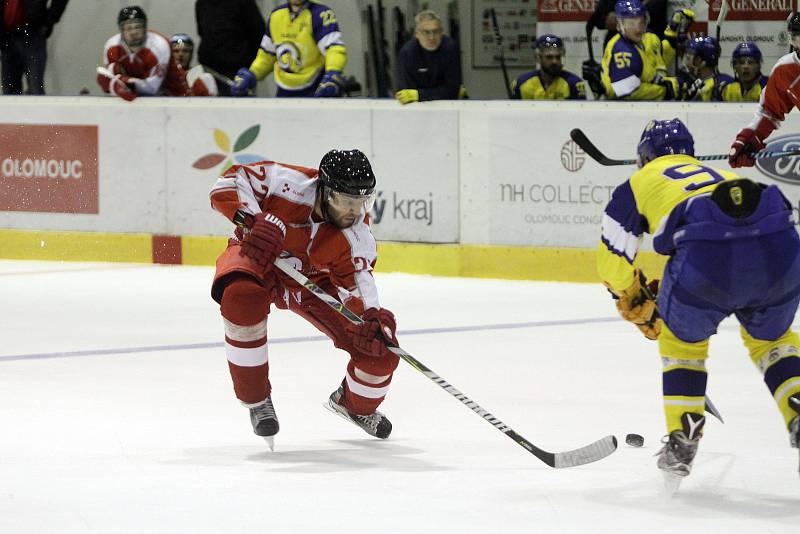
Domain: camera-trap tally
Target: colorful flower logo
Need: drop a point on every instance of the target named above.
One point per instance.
(229, 156)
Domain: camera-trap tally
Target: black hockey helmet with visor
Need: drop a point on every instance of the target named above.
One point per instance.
(348, 183)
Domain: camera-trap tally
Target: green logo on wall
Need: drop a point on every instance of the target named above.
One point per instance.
(223, 142)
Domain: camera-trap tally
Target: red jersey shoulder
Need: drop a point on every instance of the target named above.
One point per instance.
(786, 69)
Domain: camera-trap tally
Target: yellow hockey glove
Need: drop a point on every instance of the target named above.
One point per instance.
(637, 304)
(407, 96)
(678, 27)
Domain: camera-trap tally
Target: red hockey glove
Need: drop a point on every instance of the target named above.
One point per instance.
(119, 85)
(377, 329)
(265, 240)
(744, 148)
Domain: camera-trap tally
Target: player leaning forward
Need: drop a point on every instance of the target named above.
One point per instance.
(316, 219)
(733, 249)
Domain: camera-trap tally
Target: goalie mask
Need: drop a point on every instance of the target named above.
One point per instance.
(664, 138)
(347, 186)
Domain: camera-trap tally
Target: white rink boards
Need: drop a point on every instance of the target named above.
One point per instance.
(118, 416)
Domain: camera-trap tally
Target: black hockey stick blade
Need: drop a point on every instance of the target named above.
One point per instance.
(582, 141)
(584, 455)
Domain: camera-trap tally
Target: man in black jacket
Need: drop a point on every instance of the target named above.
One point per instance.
(25, 26)
(230, 33)
(428, 66)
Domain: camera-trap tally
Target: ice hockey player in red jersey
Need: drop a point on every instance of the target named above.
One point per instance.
(317, 220)
(781, 94)
(139, 61)
(200, 82)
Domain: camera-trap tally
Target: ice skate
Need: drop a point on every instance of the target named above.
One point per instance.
(794, 425)
(680, 447)
(264, 420)
(376, 424)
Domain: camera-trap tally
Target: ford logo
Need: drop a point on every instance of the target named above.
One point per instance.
(785, 169)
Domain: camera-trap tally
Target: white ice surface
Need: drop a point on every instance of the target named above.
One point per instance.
(117, 415)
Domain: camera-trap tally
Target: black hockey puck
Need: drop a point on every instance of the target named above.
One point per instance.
(634, 440)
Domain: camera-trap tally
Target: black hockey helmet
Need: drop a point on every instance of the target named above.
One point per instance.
(347, 171)
(793, 23)
(347, 186)
(131, 13)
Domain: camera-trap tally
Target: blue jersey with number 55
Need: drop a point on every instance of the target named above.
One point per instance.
(643, 204)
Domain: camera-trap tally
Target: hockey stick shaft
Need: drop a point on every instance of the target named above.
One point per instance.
(582, 141)
(590, 453)
(219, 76)
(499, 39)
(723, 12)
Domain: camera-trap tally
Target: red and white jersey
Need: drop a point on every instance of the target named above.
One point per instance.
(319, 249)
(781, 94)
(200, 82)
(153, 68)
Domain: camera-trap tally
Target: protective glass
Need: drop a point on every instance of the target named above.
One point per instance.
(342, 202)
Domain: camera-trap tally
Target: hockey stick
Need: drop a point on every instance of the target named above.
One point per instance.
(499, 39)
(590, 453)
(723, 12)
(224, 79)
(103, 71)
(582, 141)
(218, 76)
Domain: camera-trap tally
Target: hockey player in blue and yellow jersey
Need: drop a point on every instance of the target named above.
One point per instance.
(632, 64)
(703, 82)
(303, 47)
(733, 249)
(550, 81)
(746, 63)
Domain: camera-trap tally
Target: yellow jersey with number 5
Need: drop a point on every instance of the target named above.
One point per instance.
(643, 204)
(629, 69)
(298, 42)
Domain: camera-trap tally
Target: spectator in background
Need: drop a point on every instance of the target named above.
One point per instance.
(746, 62)
(428, 66)
(139, 61)
(199, 81)
(25, 26)
(676, 37)
(304, 49)
(551, 81)
(604, 18)
(230, 32)
(633, 67)
(704, 82)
